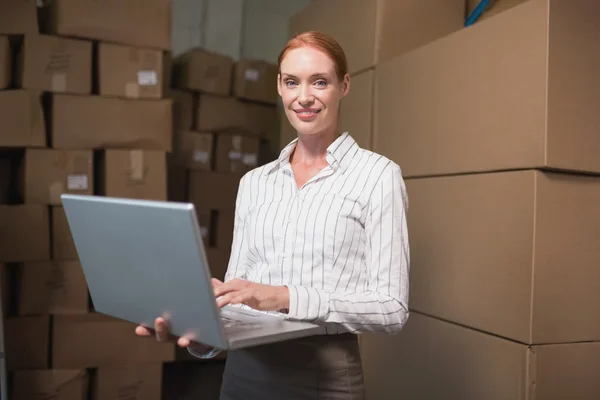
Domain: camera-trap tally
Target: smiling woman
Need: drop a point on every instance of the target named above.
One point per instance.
(320, 235)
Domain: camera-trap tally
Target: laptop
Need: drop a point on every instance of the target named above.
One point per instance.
(144, 259)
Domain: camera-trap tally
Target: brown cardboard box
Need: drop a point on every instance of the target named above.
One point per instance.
(55, 64)
(529, 103)
(510, 253)
(495, 7)
(255, 80)
(143, 23)
(142, 381)
(18, 17)
(62, 384)
(27, 342)
(95, 340)
(137, 174)
(53, 287)
(236, 153)
(195, 150)
(24, 233)
(356, 113)
(374, 31)
(130, 72)
(203, 71)
(47, 173)
(63, 248)
(218, 113)
(5, 62)
(433, 359)
(184, 109)
(223, 191)
(21, 119)
(96, 122)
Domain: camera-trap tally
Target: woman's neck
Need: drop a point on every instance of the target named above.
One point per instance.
(311, 149)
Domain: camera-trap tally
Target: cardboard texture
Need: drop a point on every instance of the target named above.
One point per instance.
(97, 122)
(143, 23)
(492, 251)
(218, 113)
(356, 112)
(374, 31)
(27, 341)
(5, 63)
(47, 173)
(235, 153)
(130, 72)
(433, 359)
(18, 17)
(55, 64)
(195, 150)
(53, 287)
(63, 248)
(223, 191)
(255, 80)
(64, 384)
(184, 109)
(21, 119)
(529, 103)
(94, 340)
(24, 233)
(137, 174)
(142, 381)
(203, 71)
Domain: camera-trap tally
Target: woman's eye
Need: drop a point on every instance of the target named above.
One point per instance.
(290, 83)
(321, 83)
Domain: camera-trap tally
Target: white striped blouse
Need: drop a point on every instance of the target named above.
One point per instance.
(339, 243)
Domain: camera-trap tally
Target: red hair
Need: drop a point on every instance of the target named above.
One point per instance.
(322, 42)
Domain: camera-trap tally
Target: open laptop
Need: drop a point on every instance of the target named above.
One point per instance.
(143, 259)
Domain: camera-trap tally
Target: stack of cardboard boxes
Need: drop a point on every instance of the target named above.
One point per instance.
(496, 129)
(224, 117)
(82, 111)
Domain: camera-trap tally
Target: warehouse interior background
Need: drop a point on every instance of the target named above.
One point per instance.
(493, 121)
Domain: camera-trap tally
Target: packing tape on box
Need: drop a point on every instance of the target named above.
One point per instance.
(59, 82)
(136, 165)
(132, 90)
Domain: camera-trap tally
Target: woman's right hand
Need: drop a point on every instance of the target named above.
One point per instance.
(161, 331)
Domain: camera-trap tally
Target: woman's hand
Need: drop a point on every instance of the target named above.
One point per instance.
(255, 295)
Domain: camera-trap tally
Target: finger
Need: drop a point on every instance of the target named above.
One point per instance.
(161, 329)
(227, 287)
(142, 331)
(224, 300)
(215, 282)
(183, 341)
(241, 298)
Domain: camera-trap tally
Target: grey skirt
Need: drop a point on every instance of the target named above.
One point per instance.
(324, 367)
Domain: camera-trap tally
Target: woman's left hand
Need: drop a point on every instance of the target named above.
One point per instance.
(255, 295)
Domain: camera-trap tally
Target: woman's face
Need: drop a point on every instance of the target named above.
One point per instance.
(310, 90)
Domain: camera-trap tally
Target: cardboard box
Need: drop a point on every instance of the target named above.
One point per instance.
(491, 251)
(374, 31)
(7, 178)
(143, 23)
(433, 359)
(255, 80)
(21, 119)
(96, 122)
(218, 113)
(529, 105)
(55, 64)
(27, 342)
(495, 7)
(47, 173)
(137, 174)
(184, 109)
(223, 191)
(62, 384)
(128, 382)
(5, 62)
(356, 112)
(236, 153)
(195, 150)
(63, 248)
(203, 71)
(125, 71)
(94, 340)
(18, 17)
(24, 233)
(53, 287)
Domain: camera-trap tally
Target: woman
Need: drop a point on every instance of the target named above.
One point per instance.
(320, 235)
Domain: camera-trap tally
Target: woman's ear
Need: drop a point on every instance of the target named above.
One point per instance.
(346, 85)
(279, 84)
